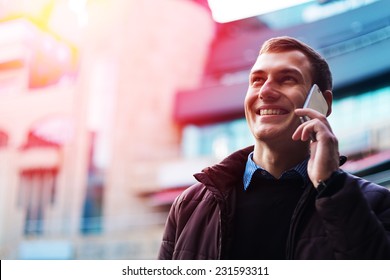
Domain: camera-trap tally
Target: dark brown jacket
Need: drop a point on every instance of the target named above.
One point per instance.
(352, 223)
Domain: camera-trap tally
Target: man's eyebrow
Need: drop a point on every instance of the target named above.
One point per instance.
(282, 71)
(256, 72)
(290, 71)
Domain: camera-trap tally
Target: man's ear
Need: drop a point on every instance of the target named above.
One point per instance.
(328, 95)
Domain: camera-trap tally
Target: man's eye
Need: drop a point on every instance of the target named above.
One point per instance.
(257, 80)
(288, 79)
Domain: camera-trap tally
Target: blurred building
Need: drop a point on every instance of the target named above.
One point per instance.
(107, 108)
(39, 195)
(86, 122)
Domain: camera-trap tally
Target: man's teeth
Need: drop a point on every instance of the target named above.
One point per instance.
(271, 112)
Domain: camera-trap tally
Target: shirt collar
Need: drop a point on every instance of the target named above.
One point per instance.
(251, 167)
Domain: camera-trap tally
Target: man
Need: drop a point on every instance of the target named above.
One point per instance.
(286, 197)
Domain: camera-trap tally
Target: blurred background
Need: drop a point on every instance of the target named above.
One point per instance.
(107, 108)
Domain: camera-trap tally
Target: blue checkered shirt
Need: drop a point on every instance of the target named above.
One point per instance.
(251, 167)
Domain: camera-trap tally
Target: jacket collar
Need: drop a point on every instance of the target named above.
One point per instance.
(230, 171)
(226, 174)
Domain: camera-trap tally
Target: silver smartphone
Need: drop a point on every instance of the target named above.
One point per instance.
(315, 100)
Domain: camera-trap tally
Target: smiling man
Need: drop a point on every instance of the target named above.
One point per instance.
(286, 197)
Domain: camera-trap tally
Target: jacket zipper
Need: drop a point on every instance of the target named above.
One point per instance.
(295, 220)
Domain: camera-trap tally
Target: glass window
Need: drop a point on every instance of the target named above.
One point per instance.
(356, 120)
(36, 193)
(217, 140)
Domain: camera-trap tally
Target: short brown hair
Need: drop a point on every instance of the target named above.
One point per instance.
(321, 73)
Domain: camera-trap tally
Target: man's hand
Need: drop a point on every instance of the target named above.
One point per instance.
(324, 152)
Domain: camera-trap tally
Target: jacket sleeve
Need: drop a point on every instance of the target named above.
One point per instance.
(169, 236)
(356, 217)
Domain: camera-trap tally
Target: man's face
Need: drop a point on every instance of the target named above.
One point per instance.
(278, 84)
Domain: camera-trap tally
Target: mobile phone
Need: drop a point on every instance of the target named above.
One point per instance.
(315, 100)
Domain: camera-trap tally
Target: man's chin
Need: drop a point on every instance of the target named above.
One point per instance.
(266, 136)
(272, 135)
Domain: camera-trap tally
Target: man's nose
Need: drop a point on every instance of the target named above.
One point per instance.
(269, 91)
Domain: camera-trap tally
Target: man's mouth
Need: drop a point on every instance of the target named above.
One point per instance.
(267, 112)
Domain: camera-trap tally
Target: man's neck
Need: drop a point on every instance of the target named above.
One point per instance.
(277, 159)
